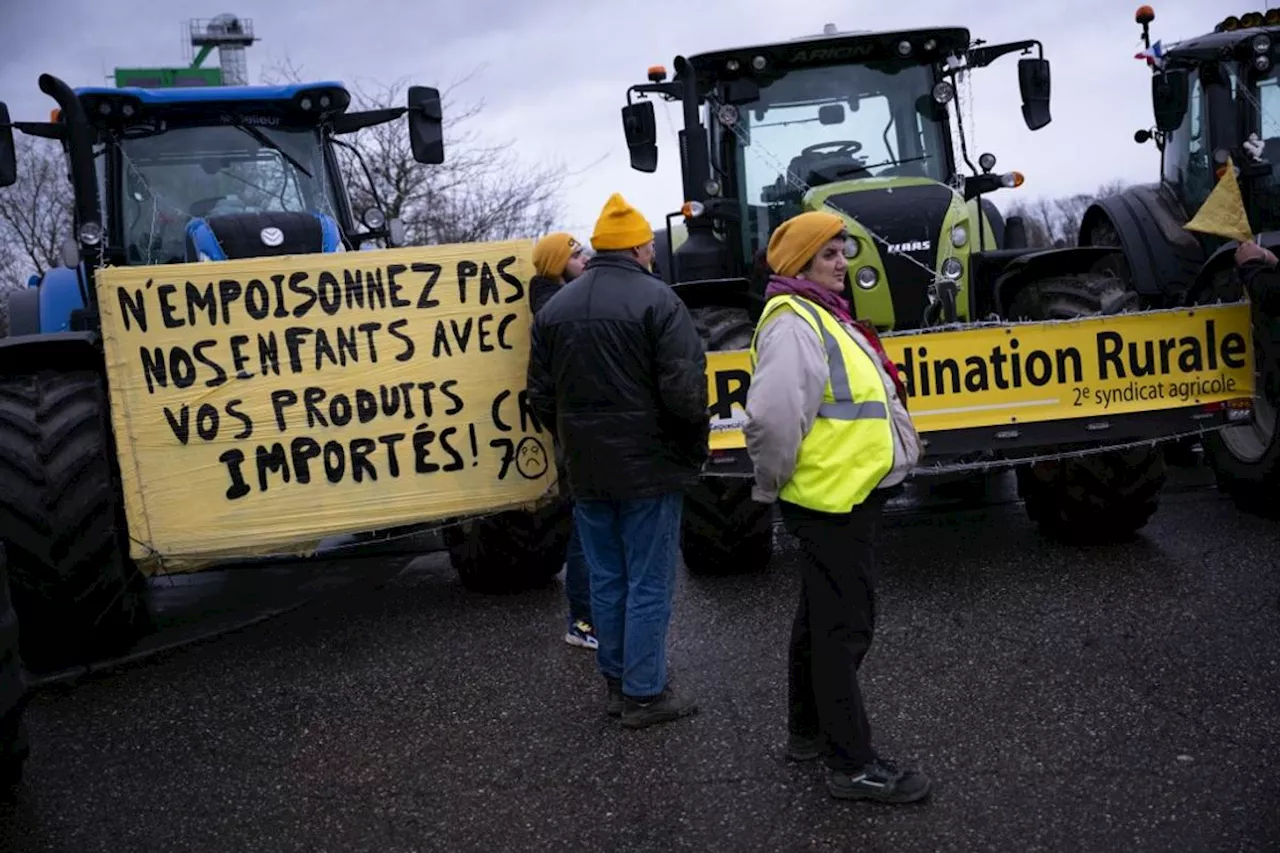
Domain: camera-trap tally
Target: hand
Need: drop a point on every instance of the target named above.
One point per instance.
(1251, 251)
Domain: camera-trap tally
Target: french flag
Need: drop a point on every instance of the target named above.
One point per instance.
(1154, 55)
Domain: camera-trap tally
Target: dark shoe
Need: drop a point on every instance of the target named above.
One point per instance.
(880, 781)
(800, 748)
(614, 705)
(663, 708)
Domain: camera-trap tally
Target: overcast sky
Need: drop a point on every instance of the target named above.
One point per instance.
(553, 73)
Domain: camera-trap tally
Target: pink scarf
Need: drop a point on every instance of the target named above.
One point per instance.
(840, 307)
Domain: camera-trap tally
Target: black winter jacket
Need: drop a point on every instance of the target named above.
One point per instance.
(617, 372)
(541, 289)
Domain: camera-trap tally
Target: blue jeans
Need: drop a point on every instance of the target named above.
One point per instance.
(632, 547)
(577, 580)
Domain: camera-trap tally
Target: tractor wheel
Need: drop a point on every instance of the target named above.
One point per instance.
(511, 551)
(13, 691)
(1245, 460)
(1104, 496)
(723, 530)
(77, 594)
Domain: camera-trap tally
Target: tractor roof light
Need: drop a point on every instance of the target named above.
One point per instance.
(1251, 20)
(1229, 24)
(987, 162)
(1272, 17)
(374, 218)
(759, 62)
(732, 65)
(658, 73)
(904, 48)
(1145, 15)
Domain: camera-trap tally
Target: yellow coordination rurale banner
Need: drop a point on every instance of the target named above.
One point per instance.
(261, 405)
(1034, 372)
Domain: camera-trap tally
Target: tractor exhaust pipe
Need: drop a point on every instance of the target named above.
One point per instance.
(84, 182)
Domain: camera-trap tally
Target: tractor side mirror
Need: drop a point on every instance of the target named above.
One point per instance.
(426, 125)
(642, 135)
(1033, 81)
(8, 154)
(1169, 93)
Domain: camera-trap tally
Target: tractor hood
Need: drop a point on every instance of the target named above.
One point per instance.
(908, 231)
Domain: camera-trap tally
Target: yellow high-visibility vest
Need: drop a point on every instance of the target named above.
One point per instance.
(849, 449)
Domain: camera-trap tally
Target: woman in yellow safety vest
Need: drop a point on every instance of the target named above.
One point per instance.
(827, 429)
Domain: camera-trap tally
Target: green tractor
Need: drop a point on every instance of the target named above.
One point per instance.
(862, 124)
(1215, 97)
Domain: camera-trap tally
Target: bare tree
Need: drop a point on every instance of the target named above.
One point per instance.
(1055, 222)
(483, 190)
(35, 216)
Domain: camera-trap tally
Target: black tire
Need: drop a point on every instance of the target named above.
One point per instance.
(77, 594)
(511, 551)
(1102, 497)
(14, 747)
(723, 530)
(1245, 460)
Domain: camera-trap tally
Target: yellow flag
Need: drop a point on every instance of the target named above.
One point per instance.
(1223, 212)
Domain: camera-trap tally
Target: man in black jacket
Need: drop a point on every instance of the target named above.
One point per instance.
(617, 372)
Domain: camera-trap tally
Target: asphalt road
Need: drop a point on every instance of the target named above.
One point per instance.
(1121, 698)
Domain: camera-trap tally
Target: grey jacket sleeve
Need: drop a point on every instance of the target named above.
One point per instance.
(782, 400)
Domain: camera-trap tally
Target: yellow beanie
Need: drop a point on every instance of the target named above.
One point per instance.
(796, 241)
(552, 253)
(620, 226)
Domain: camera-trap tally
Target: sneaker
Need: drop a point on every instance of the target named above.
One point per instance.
(663, 708)
(801, 748)
(880, 781)
(614, 703)
(582, 635)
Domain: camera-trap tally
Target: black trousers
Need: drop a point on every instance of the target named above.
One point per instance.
(833, 627)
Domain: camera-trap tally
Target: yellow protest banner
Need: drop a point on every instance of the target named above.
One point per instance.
(1035, 372)
(260, 405)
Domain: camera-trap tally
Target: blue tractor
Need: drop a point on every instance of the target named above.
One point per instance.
(159, 176)
(1215, 97)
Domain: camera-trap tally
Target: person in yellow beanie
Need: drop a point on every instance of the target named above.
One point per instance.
(827, 431)
(557, 258)
(622, 228)
(617, 372)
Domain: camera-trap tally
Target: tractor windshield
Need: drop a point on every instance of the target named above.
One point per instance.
(837, 123)
(171, 177)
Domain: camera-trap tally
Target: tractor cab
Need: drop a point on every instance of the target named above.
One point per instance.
(179, 175)
(856, 123)
(1217, 97)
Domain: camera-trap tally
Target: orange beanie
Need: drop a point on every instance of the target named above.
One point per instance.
(552, 253)
(620, 226)
(796, 241)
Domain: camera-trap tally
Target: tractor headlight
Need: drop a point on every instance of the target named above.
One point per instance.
(959, 236)
(952, 268)
(852, 247)
(374, 218)
(1261, 63)
(1261, 44)
(867, 278)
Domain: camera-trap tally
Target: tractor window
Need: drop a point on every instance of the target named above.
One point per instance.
(1187, 154)
(836, 123)
(191, 172)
